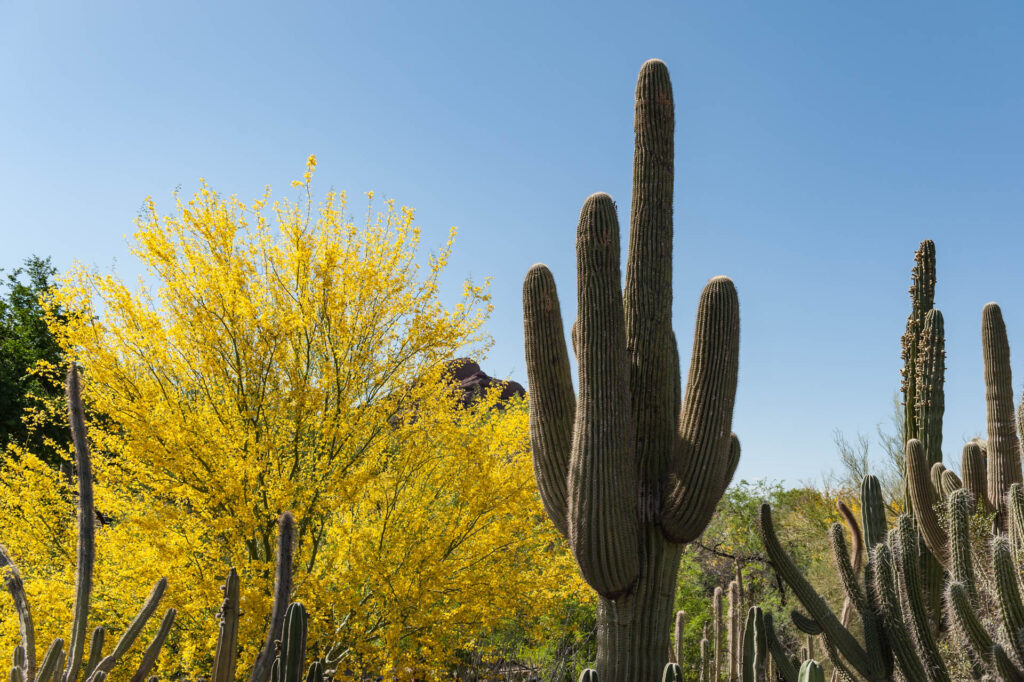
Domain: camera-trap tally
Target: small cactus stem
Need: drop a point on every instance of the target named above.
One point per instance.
(921, 493)
(783, 665)
(804, 623)
(1008, 672)
(95, 651)
(760, 646)
(892, 617)
(1015, 502)
(747, 674)
(973, 467)
(293, 643)
(838, 664)
(966, 623)
(735, 641)
(86, 524)
(588, 675)
(552, 399)
(804, 653)
(673, 673)
(15, 585)
(1003, 444)
(1008, 590)
(907, 563)
(52, 659)
(705, 659)
(950, 483)
(856, 596)
(679, 631)
(872, 509)
(282, 596)
(844, 641)
(936, 477)
(857, 545)
(961, 567)
(134, 628)
(716, 630)
(151, 653)
(810, 671)
(316, 672)
(225, 658)
(810, 646)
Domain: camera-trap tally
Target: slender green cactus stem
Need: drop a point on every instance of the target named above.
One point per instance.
(716, 630)
(966, 623)
(950, 483)
(95, 651)
(961, 567)
(134, 628)
(908, 571)
(1003, 443)
(930, 398)
(149, 656)
(899, 637)
(1015, 500)
(86, 524)
(673, 673)
(15, 585)
(922, 297)
(588, 675)
(293, 643)
(633, 474)
(1008, 671)
(1008, 591)
(857, 555)
(748, 648)
(810, 671)
(872, 512)
(680, 630)
(974, 470)
(784, 666)
(922, 494)
(840, 637)
(282, 596)
(936, 477)
(51, 661)
(227, 642)
(735, 634)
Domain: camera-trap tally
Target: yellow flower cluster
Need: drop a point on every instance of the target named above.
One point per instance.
(290, 361)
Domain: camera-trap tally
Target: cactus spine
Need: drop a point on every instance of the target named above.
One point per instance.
(629, 477)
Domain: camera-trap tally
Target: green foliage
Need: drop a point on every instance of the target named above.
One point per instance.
(27, 350)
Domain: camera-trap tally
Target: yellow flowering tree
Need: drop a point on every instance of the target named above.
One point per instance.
(283, 357)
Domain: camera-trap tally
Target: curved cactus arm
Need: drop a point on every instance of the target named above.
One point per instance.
(149, 656)
(15, 585)
(95, 651)
(908, 570)
(819, 610)
(922, 495)
(974, 470)
(647, 299)
(965, 623)
(892, 617)
(52, 660)
(782, 662)
(872, 510)
(224, 659)
(603, 524)
(552, 400)
(1008, 591)
(86, 524)
(1008, 672)
(134, 628)
(282, 596)
(708, 449)
(805, 624)
(950, 483)
(1003, 443)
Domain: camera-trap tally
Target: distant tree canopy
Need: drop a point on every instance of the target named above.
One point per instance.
(28, 351)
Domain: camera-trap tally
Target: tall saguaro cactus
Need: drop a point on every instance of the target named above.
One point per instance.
(632, 470)
(1004, 466)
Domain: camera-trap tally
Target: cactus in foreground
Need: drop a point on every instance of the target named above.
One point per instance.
(629, 476)
(227, 642)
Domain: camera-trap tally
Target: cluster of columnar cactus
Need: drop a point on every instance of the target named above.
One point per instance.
(282, 658)
(632, 469)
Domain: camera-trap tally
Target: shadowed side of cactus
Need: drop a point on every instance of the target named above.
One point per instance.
(1004, 467)
(811, 671)
(975, 475)
(629, 476)
(291, 660)
(672, 672)
(588, 675)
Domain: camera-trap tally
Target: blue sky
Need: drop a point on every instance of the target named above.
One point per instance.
(817, 144)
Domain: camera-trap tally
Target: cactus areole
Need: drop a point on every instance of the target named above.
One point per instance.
(628, 477)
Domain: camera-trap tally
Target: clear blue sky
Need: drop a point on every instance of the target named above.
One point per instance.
(817, 144)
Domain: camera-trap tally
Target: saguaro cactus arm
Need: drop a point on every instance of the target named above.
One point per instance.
(922, 494)
(603, 523)
(552, 400)
(973, 467)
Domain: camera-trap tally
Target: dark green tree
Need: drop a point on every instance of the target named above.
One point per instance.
(24, 341)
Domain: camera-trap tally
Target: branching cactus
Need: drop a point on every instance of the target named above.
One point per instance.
(631, 470)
